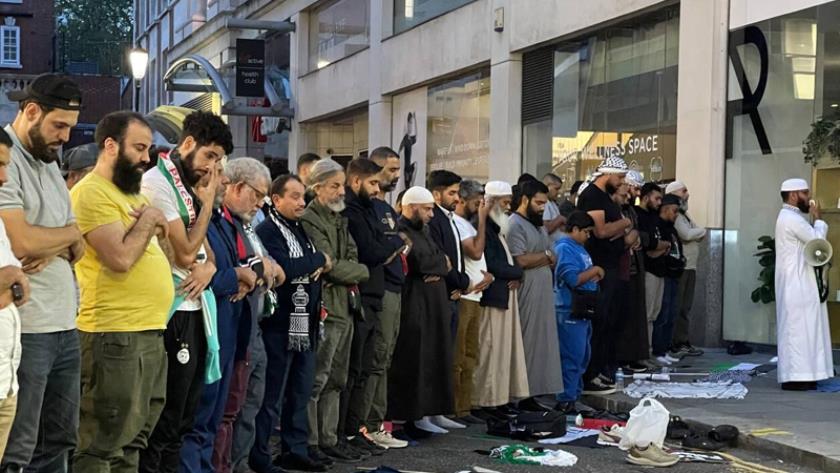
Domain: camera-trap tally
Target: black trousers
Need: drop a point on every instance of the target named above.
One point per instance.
(355, 402)
(605, 327)
(184, 385)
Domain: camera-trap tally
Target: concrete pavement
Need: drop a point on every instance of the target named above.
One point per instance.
(797, 427)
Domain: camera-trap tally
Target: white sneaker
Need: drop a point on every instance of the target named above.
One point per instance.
(664, 360)
(383, 438)
(672, 359)
(447, 423)
(427, 425)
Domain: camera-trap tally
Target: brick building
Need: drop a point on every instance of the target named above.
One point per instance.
(28, 48)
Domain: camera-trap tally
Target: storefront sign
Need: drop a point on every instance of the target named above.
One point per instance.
(250, 67)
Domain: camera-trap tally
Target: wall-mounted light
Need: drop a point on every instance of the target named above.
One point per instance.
(499, 20)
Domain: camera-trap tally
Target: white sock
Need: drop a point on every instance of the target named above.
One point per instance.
(427, 425)
(447, 423)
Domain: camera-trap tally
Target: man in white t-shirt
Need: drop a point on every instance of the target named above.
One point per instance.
(183, 186)
(14, 291)
(470, 207)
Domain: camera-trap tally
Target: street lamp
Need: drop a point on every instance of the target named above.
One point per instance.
(138, 58)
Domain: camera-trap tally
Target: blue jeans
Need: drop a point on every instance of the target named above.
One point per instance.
(663, 328)
(47, 420)
(289, 380)
(197, 448)
(575, 353)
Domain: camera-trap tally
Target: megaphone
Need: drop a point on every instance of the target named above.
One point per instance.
(818, 252)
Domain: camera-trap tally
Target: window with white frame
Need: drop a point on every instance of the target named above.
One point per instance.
(9, 45)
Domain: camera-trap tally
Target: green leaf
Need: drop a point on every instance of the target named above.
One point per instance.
(767, 295)
(767, 260)
(756, 295)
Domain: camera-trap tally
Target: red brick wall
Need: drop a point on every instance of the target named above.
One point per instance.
(36, 19)
(100, 96)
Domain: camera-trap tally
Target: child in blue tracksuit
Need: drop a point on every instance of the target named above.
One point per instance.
(574, 270)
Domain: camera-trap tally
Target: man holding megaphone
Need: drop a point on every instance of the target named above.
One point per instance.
(803, 334)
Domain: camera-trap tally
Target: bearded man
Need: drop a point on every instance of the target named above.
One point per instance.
(801, 316)
(530, 246)
(126, 293)
(328, 230)
(501, 375)
(183, 186)
(421, 374)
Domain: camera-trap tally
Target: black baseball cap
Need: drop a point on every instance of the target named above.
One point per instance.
(80, 157)
(51, 90)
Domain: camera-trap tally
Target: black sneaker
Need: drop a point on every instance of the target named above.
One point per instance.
(470, 419)
(341, 455)
(298, 463)
(359, 442)
(691, 350)
(365, 454)
(316, 454)
(532, 405)
(597, 387)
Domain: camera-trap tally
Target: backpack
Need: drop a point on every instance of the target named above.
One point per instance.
(529, 425)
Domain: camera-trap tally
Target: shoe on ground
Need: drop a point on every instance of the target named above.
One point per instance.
(738, 348)
(294, 462)
(507, 411)
(691, 350)
(673, 357)
(635, 368)
(597, 387)
(383, 438)
(485, 414)
(606, 380)
(316, 454)
(611, 436)
(359, 442)
(470, 419)
(567, 408)
(365, 454)
(532, 405)
(340, 454)
(799, 386)
(651, 456)
(665, 360)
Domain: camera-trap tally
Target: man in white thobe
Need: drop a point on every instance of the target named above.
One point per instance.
(803, 335)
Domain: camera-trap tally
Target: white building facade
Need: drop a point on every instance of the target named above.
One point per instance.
(495, 88)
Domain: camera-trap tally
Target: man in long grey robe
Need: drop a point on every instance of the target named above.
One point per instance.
(530, 246)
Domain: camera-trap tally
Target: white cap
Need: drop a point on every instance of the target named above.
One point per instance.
(675, 186)
(497, 188)
(417, 195)
(791, 185)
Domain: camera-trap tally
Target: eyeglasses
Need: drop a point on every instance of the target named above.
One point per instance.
(260, 194)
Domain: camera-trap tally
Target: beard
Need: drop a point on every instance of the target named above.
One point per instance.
(39, 147)
(501, 219)
(127, 175)
(610, 188)
(536, 218)
(804, 206)
(389, 186)
(450, 206)
(684, 205)
(415, 221)
(188, 166)
(337, 205)
(364, 196)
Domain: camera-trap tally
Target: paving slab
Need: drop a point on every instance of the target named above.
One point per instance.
(805, 429)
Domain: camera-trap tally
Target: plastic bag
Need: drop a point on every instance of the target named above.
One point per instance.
(648, 424)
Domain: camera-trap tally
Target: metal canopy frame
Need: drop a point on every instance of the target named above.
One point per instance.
(215, 83)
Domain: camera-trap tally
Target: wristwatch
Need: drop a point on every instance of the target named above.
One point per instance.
(17, 292)
(549, 253)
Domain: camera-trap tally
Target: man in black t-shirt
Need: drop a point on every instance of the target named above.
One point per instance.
(605, 246)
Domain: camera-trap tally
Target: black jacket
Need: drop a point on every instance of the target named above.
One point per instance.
(374, 247)
(277, 248)
(498, 294)
(388, 221)
(440, 229)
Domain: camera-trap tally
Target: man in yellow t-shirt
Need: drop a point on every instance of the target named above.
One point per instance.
(126, 294)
